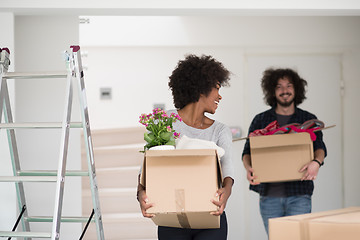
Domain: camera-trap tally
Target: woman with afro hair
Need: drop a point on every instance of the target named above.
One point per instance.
(195, 85)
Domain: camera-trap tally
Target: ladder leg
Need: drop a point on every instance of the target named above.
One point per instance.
(87, 225)
(88, 141)
(6, 108)
(18, 220)
(55, 233)
(2, 93)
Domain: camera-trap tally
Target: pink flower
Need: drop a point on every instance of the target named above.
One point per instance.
(176, 116)
(176, 135)
(157, 123)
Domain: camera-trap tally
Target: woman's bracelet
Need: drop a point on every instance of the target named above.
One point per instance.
(137, 194)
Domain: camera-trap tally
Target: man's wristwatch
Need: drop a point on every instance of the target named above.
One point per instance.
(320, 164)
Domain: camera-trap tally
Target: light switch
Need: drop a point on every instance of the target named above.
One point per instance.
(105, 93)
(159, 105)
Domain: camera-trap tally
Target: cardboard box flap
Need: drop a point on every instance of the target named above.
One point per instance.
(342, 218)
(176, 153)
(324, 216)
(277, 140)
(179, 152)
(330, 225)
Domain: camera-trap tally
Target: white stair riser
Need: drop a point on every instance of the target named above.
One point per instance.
(116, 179)
(117, 137)
(120, 231)
(108, 158)
(116, 203)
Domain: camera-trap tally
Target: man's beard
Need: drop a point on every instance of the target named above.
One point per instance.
(284, 104)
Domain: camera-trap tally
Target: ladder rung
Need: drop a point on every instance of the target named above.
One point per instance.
(25, 234)
(52, 173)
(63, 219)
(28, 179)
(39, 125)
(34, 75)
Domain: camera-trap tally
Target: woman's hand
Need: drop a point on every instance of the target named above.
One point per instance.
(223, 194)
(144, 203)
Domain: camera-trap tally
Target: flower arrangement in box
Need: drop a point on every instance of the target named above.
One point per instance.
(160, 129)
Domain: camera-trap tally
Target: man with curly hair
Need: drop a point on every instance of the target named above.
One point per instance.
(283, 91)
(195, 85)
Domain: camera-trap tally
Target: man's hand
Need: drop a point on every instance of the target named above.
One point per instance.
(250, 176)
(249, 170)
(310, 170)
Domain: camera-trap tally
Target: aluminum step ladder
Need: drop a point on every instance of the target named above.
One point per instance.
(74, 73)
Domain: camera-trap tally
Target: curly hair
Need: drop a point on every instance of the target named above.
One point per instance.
(270, 79)
(194, 76)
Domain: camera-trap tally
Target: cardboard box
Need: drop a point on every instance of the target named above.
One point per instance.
(277, 158)
(330, 225)
(181, 184)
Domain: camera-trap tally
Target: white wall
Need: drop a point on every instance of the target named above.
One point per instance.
(7, 190)
(136, 64)
(149, 54)
(351, 143)
(225, 30)
(40, 42)
(186, 7)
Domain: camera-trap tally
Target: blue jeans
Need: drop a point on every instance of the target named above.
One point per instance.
(272, 207)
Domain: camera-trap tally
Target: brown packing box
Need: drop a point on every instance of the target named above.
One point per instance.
(279, 157)
(181, 184)
(330, 225)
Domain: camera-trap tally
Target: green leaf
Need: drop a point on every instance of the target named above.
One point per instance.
(166, 136)
(171, 142)
(149, 137)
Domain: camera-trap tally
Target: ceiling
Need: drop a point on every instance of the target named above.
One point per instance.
(183, 7)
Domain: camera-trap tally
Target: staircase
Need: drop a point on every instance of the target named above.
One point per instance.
(117, 162)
